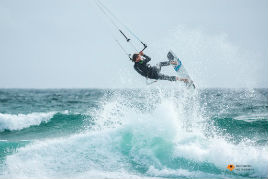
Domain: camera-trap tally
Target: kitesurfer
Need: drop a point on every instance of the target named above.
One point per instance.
(153, 72)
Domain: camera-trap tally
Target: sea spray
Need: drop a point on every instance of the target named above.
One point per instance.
(145, 133)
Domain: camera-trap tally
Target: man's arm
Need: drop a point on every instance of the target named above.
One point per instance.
(147, 58)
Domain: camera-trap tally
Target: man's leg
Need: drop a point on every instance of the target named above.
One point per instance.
(159, 65)
(167, 63)
(166, 77)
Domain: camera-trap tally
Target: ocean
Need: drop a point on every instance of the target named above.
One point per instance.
(133, 133)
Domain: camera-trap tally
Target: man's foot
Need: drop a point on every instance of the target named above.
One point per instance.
(185, 80)
(173, 62)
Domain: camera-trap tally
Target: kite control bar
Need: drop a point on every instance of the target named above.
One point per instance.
(128, 39)
(114, 21)
(144, 46)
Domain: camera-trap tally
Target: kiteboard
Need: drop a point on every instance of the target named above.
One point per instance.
(179, 68)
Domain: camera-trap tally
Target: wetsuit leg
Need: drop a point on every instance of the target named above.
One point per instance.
(164, 63)
(167, 63)
(166, 77)
(155, 70)
(155, 74)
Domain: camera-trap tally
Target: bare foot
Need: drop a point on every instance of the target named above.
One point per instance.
(174, 62)
(185, 80)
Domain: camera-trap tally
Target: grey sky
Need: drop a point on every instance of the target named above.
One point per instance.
(67, 43)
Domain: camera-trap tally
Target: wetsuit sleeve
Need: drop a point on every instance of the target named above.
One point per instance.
(147, 59)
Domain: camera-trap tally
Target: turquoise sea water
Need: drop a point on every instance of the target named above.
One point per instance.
(139, 133)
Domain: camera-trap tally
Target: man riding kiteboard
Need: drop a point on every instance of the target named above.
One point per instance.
(153, 72)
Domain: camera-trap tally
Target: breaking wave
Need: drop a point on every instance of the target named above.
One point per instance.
(153, 133)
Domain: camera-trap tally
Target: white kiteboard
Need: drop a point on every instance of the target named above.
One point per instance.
(179, 68)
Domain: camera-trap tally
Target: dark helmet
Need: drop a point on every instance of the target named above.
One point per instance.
(134, 57)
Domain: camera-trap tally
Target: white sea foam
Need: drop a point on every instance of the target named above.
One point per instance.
(127, 138)
(21, 121)
(252, 117)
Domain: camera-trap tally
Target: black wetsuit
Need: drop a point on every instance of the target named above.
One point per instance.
(152, 72)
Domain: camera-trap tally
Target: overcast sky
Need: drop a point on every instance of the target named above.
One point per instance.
(69, 44)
